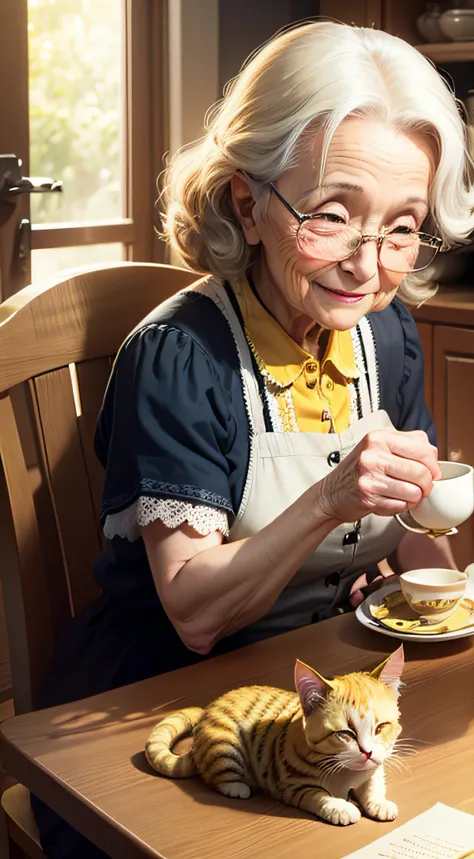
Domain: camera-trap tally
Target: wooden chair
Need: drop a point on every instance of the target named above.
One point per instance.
(57, 344)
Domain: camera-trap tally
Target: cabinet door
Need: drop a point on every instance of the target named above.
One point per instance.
(363, 13)
(453, 374)
(425, 330)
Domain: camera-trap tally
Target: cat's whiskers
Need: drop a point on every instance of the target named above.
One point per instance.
(335, 768)
(411, 742)
(406, 752)
(403, 751)
(400, 766)
(347, 760)
(331, 765)
(328, 763)
(398, 759)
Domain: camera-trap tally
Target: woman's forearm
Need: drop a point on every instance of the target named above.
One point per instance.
(225, 587)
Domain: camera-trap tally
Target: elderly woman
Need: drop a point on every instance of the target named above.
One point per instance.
(261, 429)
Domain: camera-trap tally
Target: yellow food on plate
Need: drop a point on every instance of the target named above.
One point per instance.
(395, 613)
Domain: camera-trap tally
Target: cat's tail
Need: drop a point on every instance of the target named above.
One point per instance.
(159, 746)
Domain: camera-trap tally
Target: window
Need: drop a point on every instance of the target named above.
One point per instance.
(84, 97)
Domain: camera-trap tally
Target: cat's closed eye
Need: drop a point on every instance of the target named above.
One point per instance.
(381, 726)
(347, 734)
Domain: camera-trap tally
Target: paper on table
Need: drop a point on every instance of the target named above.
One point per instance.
(441, 832)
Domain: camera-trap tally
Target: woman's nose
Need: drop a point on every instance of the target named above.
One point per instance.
(363, 264)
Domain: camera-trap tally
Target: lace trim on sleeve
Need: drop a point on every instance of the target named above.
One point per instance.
(172, 513)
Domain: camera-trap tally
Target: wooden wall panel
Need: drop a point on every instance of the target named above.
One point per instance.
(426, 336)
(454, 417)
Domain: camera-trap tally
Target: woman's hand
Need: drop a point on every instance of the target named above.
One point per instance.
(387, 473)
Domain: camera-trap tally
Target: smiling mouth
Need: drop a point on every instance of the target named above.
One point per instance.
(339, 294)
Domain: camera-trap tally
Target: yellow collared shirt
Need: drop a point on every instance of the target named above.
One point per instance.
(311, 395)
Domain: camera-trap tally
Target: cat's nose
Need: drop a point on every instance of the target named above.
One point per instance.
(366, 753)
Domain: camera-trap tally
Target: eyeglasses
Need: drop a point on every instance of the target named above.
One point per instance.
(322, 236)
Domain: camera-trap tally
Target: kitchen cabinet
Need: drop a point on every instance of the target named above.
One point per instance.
(446, 326)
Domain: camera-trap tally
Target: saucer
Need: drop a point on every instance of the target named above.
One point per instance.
(364, 617)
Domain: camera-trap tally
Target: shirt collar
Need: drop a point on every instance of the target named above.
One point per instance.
(277, 353)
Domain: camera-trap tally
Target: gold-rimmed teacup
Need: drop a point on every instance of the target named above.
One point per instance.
(433, 593)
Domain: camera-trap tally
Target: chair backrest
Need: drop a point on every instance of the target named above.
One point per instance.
(56, 348)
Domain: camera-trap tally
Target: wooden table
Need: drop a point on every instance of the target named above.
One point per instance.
(86, 759)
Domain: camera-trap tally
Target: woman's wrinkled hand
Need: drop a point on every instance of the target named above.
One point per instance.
(388, 472)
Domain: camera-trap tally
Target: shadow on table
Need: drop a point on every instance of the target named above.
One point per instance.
(258, 803)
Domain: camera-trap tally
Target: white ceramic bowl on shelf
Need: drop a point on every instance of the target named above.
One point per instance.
(458, 24)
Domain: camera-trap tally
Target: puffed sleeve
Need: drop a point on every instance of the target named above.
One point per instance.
(413, 413)
(163, 435)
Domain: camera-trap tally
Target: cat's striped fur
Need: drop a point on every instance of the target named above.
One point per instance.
(309, 749)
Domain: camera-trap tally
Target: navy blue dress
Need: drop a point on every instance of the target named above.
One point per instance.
(174, 425)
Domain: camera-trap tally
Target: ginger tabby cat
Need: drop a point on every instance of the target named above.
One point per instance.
(312, 750)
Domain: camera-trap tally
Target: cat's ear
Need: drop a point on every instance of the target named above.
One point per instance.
(391, 669)
(311, 686)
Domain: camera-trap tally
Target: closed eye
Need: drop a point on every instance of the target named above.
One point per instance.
(381, 726)
(347, 733)
(333, 217)
(403, 229)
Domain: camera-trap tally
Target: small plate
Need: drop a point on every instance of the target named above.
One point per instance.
(365, 618)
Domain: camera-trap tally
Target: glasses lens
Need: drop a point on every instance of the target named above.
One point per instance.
(327, 240)
(405, 252)
(330, 241)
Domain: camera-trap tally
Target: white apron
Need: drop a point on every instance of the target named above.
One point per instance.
(282, 466)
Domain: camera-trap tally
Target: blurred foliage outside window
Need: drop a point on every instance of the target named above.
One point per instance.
(76, 54)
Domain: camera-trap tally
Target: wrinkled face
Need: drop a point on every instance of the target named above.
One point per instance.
(375, 177)
(356, 725)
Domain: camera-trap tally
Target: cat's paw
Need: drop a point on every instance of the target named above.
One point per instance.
(235, 789)
(384, 810)
(338, 811)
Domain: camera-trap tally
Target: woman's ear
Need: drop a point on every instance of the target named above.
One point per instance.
(243, 202)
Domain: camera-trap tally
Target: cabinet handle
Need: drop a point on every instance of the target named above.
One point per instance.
(455, 455)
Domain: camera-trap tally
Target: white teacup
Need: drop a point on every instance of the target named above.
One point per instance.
(433, 593)
(450, 502)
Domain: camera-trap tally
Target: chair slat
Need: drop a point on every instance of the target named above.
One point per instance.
(92, 377)
(29, 431)
(23, 582)
(5, 672)
(60, 607)
(69, 483)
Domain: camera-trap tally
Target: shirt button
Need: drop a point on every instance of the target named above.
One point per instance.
(334, 458)
(328, 383)
(311, 374)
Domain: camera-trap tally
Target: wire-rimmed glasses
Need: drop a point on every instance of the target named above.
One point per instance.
(400, 249)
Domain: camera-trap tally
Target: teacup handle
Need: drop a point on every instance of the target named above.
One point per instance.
(432, 533)
(418, 530)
